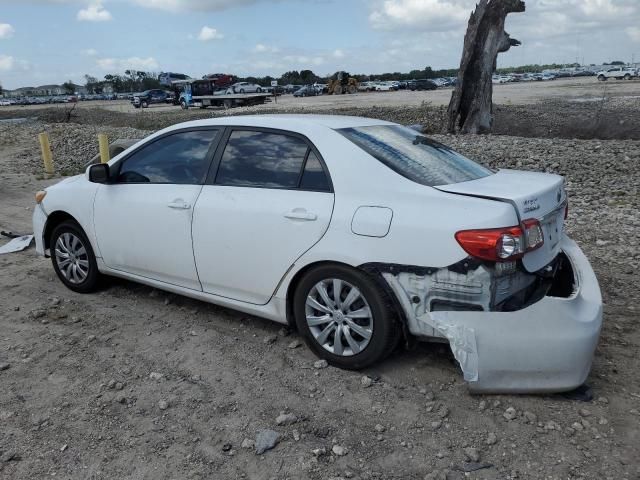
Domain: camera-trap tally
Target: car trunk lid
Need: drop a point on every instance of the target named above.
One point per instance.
(533, 195)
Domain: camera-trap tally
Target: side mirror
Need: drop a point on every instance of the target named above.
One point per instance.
(99, 173)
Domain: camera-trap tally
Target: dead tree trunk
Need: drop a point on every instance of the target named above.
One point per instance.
(470, 108)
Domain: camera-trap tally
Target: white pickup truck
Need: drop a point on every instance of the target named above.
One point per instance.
(619, 73)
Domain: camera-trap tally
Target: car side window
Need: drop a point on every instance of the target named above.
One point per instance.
(314, 176)
(180, 158)
(262, 159)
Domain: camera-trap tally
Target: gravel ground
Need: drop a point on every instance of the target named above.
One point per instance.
(136, 383)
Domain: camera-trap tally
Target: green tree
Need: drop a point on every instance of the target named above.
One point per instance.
(69, 87)
(1, 91)
(307, 76)
(291, 77)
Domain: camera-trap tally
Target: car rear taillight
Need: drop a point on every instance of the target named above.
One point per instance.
(502, 244)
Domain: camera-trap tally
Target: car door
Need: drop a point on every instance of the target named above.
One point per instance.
(267, 201)
(157, 96)
(143, 216)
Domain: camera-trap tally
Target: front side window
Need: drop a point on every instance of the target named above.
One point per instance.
(180, 158)
(262, 159)
(414, 156)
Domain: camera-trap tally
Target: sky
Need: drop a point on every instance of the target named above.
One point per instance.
(51, 41)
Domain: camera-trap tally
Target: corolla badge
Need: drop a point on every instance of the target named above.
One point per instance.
(531, 205)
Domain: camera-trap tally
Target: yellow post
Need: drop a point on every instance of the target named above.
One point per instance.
(103, 142)
(47, 157)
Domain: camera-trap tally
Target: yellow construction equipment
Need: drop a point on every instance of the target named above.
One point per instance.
(340, 83)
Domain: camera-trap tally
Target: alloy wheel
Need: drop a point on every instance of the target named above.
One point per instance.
(339, 317)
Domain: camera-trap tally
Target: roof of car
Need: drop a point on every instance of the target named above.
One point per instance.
(289, 121)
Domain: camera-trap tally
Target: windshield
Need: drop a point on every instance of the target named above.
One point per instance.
(414, 156)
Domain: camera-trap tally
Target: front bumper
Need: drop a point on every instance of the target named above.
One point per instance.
(39, 220)
(545, 347)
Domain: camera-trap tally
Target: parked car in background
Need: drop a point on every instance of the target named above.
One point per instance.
(150, 97)
(290, 88)
(422, 84)
(619, 73)
(321, 88)
(385, 87)
(306, 91)
(583, 73)
(357, 266)
(501, 79)
(244, 87)
(367, 87)
(440, 82)
(548, 76)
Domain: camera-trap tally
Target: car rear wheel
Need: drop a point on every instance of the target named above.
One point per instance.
(258, 90)
(345, 317)
(73, 259)
(627, 77)
(602, 78)
(144, 104)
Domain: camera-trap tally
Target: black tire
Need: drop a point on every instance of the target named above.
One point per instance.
(602, 78)
(144, 104)
(258, 90)
(242, 90)
(183, 105)
(91, 281)
(385, 330)
(627, 77)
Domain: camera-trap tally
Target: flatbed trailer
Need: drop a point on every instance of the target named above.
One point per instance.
(226, 100)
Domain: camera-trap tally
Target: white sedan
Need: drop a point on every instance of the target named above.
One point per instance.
(357, 232)
(244, 87)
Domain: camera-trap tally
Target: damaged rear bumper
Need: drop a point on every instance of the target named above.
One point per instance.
(545, 347)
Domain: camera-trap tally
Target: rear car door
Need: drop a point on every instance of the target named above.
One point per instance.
(143, 217)
(267, 201)
(157, 96)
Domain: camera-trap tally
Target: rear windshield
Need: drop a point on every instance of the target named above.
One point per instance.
(414, 156)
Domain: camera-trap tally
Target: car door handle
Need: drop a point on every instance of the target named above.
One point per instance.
(300, 214)
(179, 204)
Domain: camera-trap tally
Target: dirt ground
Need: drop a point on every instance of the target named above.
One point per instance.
(136, 383)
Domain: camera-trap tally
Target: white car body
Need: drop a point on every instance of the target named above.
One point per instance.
(501, 79)
(385, 87)
(244, 247)
(617, 72)
(367, 86)
(244, 87)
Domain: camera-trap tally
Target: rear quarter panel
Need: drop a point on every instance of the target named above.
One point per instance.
(424, 221)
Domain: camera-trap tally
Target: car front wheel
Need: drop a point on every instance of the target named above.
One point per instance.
(345, 317)
(73, 259)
